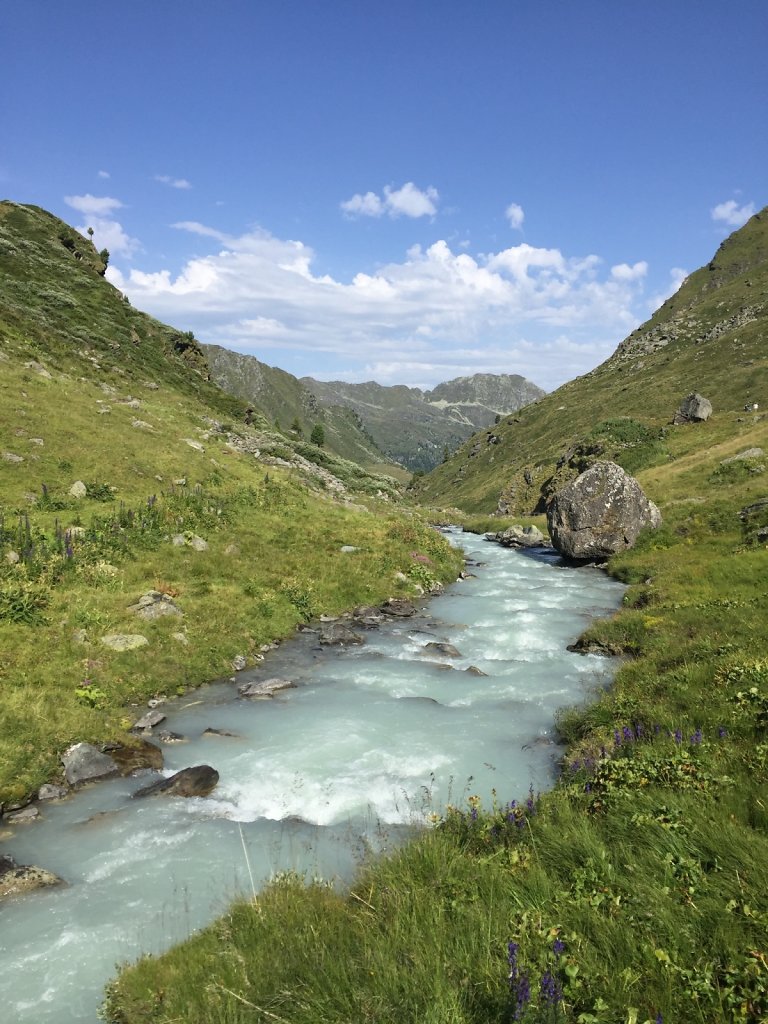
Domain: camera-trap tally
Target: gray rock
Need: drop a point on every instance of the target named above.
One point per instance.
(166, 736)
(12, 457)
(239, 662)
(367, 615)
(599, 513)
(181, 540)
(39, 369)
(348, 549)
(78, 489)
(398, 607)
(749, 453)
(83, 763)
(17, 879)
(50, 791)
(521, 536)
(473, 670)
(22, 816)
(265, 689)
(155, 605)
(438, 647)
(199, 780)
(12, 557)
(149, 721)
(340, 634)
(694, 408)
(124, 641)
(210, 732)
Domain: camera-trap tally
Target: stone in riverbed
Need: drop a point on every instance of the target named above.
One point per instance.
(199, 780)
(137, 756)
(84, 763)
(340, 634)
(50, 791)
(23, 816)
(265, 689)
(443, 648)
(16, 879)
(148, 721)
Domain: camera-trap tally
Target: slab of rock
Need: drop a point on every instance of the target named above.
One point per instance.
(124, 641)
(437, 647)
(521, 537)
(367, 615)
(16, 879)
(84, 763)
(599, 513)
(50, 791)
(134, 757)
(200, 780)
(749, 453)
(694, 408)
(239, 662)
(13, 457)
(181, 540)
(220, 732)
(167, 736)
(154, 605)
(23, 816)
(473, 670)
(78, 489)
(399, 607)
(340, 634)
(265, 689)
(148, 720)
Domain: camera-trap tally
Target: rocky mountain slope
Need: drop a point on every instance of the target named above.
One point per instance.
(416, 427)
(709, 337)
(283, 399)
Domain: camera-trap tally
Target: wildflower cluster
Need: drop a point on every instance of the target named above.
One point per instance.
(479, 830)
(549, 995)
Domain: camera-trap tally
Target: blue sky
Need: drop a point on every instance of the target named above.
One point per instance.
(404, 192)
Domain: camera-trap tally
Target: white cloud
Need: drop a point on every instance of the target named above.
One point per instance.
(515, 215)
(411, 201)
(99, 206)
(166, 179)
(676, 277)
(104, 174)
(436, 313)
(625, 272)
(110, 234)
(407, 201)
(368, 205)
(731, 214)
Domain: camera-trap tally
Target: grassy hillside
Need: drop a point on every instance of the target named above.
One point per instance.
(284, 400)
(710, 337)
(636, 892)
(99, 397)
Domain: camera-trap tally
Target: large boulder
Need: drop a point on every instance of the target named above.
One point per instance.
(599, 513)
(694, 408)
(200, 780)
(85, 763)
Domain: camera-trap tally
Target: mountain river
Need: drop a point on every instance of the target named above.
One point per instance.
(371, 740)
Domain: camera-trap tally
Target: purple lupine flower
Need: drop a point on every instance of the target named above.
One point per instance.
(628, 734)
(523, 996)
(656, 729)
(722, 732)
(696, 737)
(659, 1018)
(616, 738)
(558, 947)
(551, 993)
(514, 970)
(678, 735)
(473, 814)
(639, 731)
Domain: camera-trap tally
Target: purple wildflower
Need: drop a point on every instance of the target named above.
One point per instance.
(722, 732)
(639, 731)
(616, 738)
(696, 737)
(558, 947)
(628, 734)
(523, 996)
(659, 1018)
(551, 993)
(678, 736)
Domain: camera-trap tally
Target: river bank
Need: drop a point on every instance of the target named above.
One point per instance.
(372, 741)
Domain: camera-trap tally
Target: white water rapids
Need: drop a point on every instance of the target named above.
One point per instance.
(372, 739)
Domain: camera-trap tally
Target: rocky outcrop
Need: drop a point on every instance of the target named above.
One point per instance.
(519, 537)
(155, 605)
(136, 756)
(200, 780)
(694, 408)
(600, 513)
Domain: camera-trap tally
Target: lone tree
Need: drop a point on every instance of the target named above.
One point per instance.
(318, 435)
(295, 427)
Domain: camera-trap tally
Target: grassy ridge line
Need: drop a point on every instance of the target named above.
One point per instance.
(648, 862)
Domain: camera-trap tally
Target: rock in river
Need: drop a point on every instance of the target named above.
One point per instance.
(16, 879)
(84, 763)
(199, 780)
